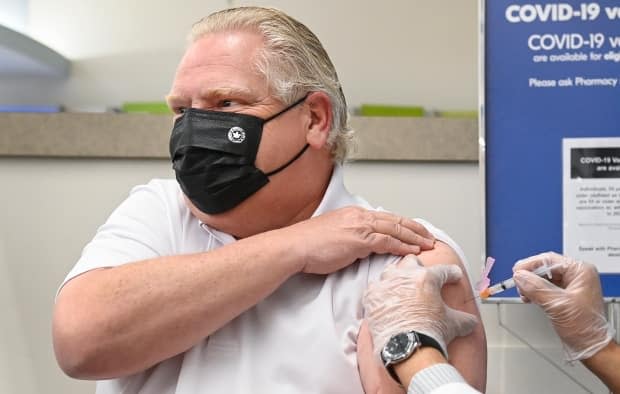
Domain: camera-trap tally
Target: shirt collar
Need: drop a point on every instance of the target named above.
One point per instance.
(336, 196)
(222, 237)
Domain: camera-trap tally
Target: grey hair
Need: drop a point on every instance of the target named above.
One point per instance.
(292, 60)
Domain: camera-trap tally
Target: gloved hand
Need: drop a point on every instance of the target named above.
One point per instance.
(572, 301)
(408, 297)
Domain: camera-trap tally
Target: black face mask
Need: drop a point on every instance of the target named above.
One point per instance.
(213, 155)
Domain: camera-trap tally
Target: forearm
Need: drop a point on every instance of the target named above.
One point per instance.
(605, 365)
(118, 321)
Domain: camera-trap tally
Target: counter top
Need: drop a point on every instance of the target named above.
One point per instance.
(146, 136)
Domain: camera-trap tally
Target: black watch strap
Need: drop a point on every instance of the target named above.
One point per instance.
(425, 340)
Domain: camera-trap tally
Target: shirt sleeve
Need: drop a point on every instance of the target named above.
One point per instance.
(439, 379)
(138, 229)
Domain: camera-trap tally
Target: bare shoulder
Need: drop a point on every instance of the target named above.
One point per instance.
(442, 253)
(454, 294)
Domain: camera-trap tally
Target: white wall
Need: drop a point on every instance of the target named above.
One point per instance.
(50, 209)
(413, 52)
(419, 52)
(16, 369)
(401, 51)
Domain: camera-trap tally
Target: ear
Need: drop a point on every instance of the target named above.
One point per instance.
(320, 120)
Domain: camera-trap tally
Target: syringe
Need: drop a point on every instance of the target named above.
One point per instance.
(542, 271)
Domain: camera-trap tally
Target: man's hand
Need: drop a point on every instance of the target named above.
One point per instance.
(334, 240)
(408, 297)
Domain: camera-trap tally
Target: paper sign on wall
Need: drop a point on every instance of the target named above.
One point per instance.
(591, 196)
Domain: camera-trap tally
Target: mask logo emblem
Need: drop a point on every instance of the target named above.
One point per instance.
(236, 135)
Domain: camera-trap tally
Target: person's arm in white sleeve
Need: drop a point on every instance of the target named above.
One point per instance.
(427, 371)
(573, 302)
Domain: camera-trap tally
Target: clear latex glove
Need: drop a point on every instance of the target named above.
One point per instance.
(572, 301)
(408, 297)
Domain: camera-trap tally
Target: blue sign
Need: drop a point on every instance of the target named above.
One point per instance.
(552, 71)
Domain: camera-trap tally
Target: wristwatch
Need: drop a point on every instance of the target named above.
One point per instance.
(401, 346)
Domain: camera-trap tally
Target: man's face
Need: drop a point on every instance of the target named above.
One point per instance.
(217, 73)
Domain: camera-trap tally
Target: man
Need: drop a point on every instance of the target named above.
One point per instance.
(245, 275)
(573, 302)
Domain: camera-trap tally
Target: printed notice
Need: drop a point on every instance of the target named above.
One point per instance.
(591, 195)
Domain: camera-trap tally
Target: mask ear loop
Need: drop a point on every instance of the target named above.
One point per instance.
(301, 152)
(301, 100)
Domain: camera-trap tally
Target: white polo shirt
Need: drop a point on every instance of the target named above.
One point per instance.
(300, 339)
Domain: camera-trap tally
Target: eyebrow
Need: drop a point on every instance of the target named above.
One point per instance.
(213, 93)
(223, 92)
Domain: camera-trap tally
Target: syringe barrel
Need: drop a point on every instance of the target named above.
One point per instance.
(501, 286)
(509, 283)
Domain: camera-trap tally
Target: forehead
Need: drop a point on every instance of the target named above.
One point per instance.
(221, 61)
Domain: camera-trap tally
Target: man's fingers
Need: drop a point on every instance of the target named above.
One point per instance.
(409, 223)
(406, 230)
(402, 233)
(383, 243)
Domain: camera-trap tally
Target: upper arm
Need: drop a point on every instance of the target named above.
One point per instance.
(467, 354)
(138, 229)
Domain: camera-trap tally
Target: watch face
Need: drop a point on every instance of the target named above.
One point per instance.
(398, 347)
